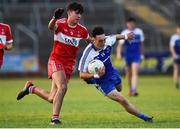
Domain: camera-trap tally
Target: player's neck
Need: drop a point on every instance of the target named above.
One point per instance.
(71, 24)
(131, 29)
(97, 48)
(178, 34)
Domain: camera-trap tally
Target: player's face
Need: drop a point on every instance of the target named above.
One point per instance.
(99, 41)
(74, 16)
(178, 30)
(130, 25)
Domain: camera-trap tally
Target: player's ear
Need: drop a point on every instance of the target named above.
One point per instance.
(92, 39)
(68, 12)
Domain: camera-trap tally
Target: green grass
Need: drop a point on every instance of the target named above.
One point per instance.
(84, 106)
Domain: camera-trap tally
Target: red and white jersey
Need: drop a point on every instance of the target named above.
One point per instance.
(5, 37)
(66, 41)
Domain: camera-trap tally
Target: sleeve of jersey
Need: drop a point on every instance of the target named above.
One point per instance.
(172, 42)
(111, 40)
(84, 61)
(122, 40)
(86, 34)
(59, 27)
(142, 36)
(9, 35)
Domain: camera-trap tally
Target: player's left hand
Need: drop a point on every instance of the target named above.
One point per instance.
(58, 13)
(142, 57)
(101, 71)
(130, 36)
(118, 56)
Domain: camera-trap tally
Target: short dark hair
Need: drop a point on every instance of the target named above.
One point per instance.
(178, 25)
(75, 7)
(97, 31)
(131, 19)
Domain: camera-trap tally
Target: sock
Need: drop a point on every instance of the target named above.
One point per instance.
(143, 117)
(55, 117)
(31, 89)
(133, 89)
(177, 85)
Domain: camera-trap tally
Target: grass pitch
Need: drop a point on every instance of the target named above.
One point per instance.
(84, 106)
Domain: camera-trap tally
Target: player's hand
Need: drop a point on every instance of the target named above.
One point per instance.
(142, 57)
(101, 71)
(58, 13)
(130, 36)
(2, 46)
(119, 56)
(175, 56)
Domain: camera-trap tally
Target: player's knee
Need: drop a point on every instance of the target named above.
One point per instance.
(122, 101)
(119, 88)
(62, 88)
(134, 75)
(50, 100)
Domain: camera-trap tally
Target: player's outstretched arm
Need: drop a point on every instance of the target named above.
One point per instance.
(119, 50)
(9, 46)
(128, 36)
(85, 75)
(142, 50)
(57, 14)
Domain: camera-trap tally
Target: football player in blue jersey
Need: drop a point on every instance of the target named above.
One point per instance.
(107, 79)
(175, 51)
(133, 53)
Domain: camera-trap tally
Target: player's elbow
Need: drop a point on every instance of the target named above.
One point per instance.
(50, 100)
(50, 27)
(81, 76)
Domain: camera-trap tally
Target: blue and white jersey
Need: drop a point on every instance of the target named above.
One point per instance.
(91, 53)
(132, 48)
(175, 42)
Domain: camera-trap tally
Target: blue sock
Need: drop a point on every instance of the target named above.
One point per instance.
(143, 117)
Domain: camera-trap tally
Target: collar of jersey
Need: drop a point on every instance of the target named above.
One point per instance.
(96, 48)
(71, 26)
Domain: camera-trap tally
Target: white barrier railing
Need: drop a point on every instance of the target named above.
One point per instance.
(30, 34)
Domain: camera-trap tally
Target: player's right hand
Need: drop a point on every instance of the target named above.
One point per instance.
(118, 56)
(175, 57)
(2, 46)
(130, 36)
(58, 13)
(101, 71)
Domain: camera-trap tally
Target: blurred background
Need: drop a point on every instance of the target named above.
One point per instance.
(33, 41)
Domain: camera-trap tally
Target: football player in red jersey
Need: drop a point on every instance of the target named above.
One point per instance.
(5, 40)
(67, 35)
